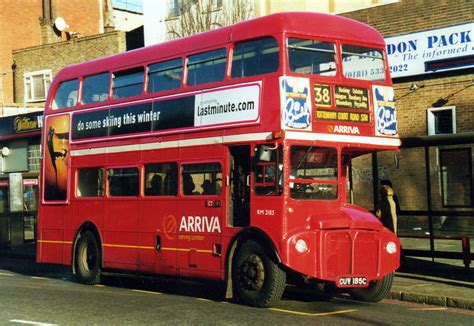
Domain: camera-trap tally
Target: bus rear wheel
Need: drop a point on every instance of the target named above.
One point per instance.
(376, 291)
(258, 280)
(87, 259)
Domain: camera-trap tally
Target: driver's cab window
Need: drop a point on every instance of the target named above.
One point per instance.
(313, 173)
(268, 170)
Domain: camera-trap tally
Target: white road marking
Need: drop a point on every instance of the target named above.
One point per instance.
(29, 322)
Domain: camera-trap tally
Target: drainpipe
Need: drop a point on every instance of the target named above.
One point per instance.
(14, 81)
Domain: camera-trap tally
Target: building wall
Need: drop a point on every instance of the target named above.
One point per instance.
(20, 28)
(408, 16)
(407, 169)
(58, 55)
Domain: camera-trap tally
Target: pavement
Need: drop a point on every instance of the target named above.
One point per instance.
(444, 282)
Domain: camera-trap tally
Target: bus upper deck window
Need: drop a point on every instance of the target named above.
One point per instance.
(127, 83)
(312, 57)
(96, 88)
(206, 67)
(165, 75)
(256, 57)
(363, 63)
(66, 95)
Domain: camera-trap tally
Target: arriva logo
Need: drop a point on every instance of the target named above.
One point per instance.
(200, 224)
(337, 129)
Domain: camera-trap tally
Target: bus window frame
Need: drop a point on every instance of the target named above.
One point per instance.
(387, 77)
(107, 182)
(76, 183)
(185, 81)
(131, 97)
(337, 55)
(182, 83)
(208, 161)
(100, 103)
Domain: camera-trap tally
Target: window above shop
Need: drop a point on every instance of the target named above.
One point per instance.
(37, 85)
(442, 120)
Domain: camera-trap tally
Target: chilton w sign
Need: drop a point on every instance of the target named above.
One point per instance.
(442, 49)
(13, 126)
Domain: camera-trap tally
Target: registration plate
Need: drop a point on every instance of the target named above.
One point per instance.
(352, 281)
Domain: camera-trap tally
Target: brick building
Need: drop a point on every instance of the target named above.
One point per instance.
(433, 172)
(42, 37)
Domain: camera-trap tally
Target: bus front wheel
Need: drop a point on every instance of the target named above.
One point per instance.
(376, 291)
(87, 259)
(258, 280)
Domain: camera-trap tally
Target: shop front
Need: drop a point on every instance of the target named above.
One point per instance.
(19, 172)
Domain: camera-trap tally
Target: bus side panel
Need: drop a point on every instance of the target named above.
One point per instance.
(158, 225)
(51, 236)
(121, 233)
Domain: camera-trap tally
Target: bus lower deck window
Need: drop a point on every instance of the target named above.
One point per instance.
(123, 182)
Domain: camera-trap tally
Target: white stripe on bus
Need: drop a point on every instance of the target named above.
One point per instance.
(294, 135)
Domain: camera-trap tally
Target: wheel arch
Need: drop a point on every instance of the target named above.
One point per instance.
(251, 233)
(86, 226)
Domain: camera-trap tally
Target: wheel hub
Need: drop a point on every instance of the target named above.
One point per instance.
(253, 273)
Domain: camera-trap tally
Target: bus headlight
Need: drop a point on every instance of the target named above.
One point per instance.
(391, 247)
(301, 246)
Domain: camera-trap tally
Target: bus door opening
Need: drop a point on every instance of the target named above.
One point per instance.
(239, 203)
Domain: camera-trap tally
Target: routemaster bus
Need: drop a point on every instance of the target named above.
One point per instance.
(223, 156)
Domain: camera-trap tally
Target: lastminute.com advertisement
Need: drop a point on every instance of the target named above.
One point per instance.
(232, 106)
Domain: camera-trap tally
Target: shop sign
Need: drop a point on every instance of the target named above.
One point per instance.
(21, 124)
(441, 49)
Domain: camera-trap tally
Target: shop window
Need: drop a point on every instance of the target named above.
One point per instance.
(161, 179)
(90, 182)
(123, 182)
(37, 85)
(456, 177)
(127, 83)
(4, 200)
(66, 95)
(442, 121)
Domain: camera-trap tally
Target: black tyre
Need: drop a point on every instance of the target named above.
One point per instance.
(258, 281)
(87, 259)
(376, 291)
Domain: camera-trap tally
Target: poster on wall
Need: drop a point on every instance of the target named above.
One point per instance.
(56, 158)
(435, 50)
(295, 103)
(384, 111)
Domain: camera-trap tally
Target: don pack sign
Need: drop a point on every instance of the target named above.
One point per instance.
(237, 105)
(429, 51)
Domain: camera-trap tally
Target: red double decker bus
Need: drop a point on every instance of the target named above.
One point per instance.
(223, 156)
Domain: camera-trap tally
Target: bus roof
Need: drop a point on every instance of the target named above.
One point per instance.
(303, 23)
